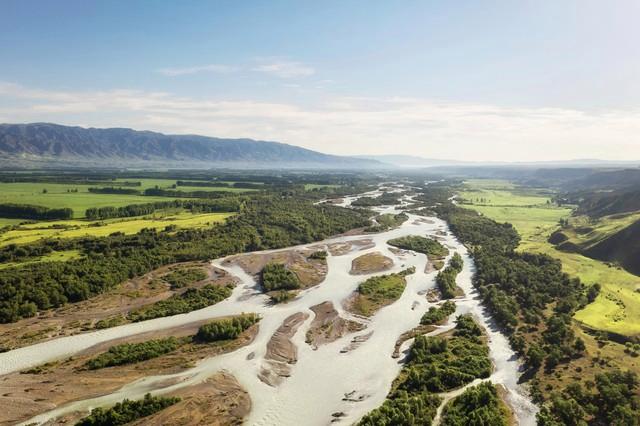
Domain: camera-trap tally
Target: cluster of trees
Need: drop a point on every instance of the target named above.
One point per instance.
(127, 411)
(379, 291)
(276, 276)
(190, 300)
(404, 408)
(227, 204)
(130, 353)
(435, 364)
(437, 314)
(478, 405)
(226, 329)
(218, 184)
(420, 244)
(612, 399)
(386, 199)
(516, 286)
(265, 222)
(184, 277)
(161, 192)
(446, 279)
(27, 211)
(439, 364)
(114, 190)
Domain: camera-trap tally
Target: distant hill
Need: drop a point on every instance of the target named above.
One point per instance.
(52, 145)
(410, 161)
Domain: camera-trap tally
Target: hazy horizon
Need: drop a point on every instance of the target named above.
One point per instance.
(497, 81)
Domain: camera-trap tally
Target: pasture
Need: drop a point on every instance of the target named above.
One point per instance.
(617, 309)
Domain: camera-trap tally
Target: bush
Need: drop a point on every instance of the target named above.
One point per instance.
(184, 277)
(127, 411)
(437, 314)
(225, 329)
(275, 276)
(420, 244)
(191, 300)
(130, 353)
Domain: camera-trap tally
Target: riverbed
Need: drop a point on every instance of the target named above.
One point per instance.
(328, 383)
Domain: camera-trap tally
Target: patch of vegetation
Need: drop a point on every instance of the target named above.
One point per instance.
(437, 314)
(420, 244)
(386, 198)
(319, 255)
(404, 408)
(478, 405)
(110, 322)
(130, 353)
(191, 300)
(446, 279)
(184, 277)
(127, 411)
(276, 276)
(379, 291)
(612, 399)
(439, 364)
(387, 221)
(225, 329)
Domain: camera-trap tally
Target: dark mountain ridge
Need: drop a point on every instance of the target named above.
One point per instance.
(45, 144)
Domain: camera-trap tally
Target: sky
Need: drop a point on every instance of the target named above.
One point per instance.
(469, 80)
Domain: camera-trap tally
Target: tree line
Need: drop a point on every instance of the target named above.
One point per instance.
(227, 204)
(28, 211)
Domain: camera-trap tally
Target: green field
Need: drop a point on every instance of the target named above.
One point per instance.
(56, 256)
(78, 228)
(617, 308)
(59, 195)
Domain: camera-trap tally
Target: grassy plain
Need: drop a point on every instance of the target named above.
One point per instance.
(60, 195)
(77, 228)
(617, 309)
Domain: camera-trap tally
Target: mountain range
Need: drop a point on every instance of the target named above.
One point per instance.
(53, 145)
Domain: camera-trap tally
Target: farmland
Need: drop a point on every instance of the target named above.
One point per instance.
(617, 309)
(31, 232)
(77, 196)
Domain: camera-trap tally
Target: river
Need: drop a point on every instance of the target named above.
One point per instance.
(321, 378)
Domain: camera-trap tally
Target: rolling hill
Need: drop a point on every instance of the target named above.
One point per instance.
(52, 145)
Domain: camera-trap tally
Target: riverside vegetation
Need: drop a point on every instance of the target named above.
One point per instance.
(435, 365)
(533, 301)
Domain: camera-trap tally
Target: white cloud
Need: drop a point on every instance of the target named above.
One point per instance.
(349, 125)
(285, 69)
(212, 68)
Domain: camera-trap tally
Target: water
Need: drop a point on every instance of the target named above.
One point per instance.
(321, 378)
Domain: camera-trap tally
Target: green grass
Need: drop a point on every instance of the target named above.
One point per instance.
(617, 309)
(10, 222)
(57, 196)
(56, 256)
(78, 228)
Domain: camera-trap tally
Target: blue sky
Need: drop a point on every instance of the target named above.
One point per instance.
(482, 80)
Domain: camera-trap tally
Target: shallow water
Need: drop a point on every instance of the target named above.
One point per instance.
(321, 378)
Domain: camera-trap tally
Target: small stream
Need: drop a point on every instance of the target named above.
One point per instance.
(321, 378)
